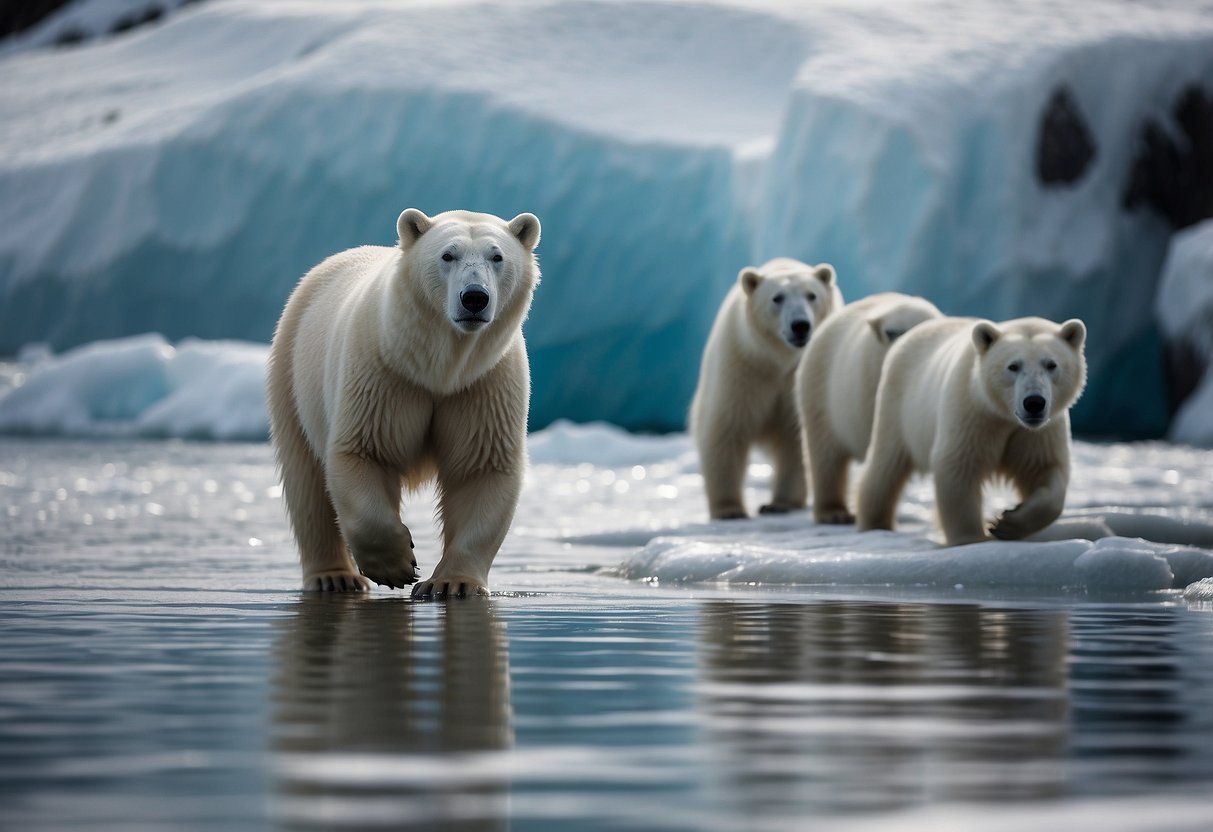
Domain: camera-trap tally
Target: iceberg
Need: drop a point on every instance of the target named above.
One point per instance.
(180, 178)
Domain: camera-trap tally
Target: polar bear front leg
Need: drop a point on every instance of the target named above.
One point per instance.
(1043, 495)
(789, 488)
(476, 514)
(722, 461)
(958, 503)
(367, 499)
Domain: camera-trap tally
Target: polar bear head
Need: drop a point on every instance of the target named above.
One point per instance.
(892, 320)
(1030, 368)
(788, 299)
(474, 268)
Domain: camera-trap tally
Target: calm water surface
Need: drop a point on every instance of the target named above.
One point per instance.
(157, 672)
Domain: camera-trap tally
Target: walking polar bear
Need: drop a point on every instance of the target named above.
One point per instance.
(744, 397)
(836, 389)
(970, 400)
(392, 366)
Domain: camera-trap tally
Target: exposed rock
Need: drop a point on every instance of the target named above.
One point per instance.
(1064, 147)
(17, 17)
(1175, 178)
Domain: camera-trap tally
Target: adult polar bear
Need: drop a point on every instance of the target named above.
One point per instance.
(744, 397)
(970, 400)
(391, 366)
(836, 389)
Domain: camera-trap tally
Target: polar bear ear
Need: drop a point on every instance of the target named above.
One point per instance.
(984, 336)
(1074, 333)
(824, 273)
(749, 278)
(411, 225)
(526, 228)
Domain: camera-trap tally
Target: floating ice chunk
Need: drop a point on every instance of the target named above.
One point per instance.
(893, 559)
(141, 386)
(1201, 590)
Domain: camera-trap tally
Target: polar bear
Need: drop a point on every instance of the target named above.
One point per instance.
(970, 400)
(744, 396)
(392, 366)
(836, 390)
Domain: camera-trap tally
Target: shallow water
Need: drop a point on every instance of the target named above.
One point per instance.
(158, 670)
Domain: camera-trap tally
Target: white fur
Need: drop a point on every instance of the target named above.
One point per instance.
(378, 380)
(836, 390)
(745, 396)
(953, 401)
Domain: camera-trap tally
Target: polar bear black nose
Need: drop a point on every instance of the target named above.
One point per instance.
(474, 298)
(1035, 405)
(800, 329)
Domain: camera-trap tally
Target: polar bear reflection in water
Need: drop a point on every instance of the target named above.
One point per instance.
(376, 704)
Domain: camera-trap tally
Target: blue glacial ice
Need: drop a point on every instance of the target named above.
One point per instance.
(179, 179)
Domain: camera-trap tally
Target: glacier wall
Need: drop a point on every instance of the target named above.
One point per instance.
(179, 179)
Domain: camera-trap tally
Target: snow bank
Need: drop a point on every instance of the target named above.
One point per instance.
(180, 178)
(139, 386)
(1185, 313)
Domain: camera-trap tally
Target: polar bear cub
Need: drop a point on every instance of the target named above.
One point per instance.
(744, 397)
(836, 390)
(969, 400)
(391, 366)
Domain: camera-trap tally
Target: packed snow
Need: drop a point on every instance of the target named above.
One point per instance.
(179, 178)
(1185, 312)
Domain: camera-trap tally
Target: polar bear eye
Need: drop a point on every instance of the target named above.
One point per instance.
(812, 296)
(1050, 365)
(497, 258)
(1013, 366)
(778, 298)
(447, 257)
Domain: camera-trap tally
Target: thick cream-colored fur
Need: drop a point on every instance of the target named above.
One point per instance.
(378, 380)
(836, 390)
(745, 393)
(952, 401)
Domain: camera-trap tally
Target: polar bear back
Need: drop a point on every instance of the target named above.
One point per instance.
(927, 372)
(333, 313)
(842, 367)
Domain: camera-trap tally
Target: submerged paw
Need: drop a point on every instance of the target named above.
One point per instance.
(335, 582)
(443, 588)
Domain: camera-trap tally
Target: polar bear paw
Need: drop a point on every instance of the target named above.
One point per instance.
(834, 516)
(386, 556)
(454, 586)
(777, 508)
(337, 580)
(1010, 525)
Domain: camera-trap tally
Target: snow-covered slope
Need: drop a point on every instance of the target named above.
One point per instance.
(179, 179)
